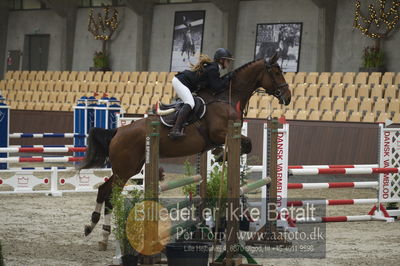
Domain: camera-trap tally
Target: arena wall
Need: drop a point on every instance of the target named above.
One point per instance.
(252, 13)
(41, 121)
(347, 48)
(162, 32)
(21, 23)
(349, 43)
(310, 142)
(123, 47)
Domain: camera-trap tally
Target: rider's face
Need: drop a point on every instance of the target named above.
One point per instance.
(225, 63)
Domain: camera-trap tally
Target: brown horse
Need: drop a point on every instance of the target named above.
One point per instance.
(125, 147)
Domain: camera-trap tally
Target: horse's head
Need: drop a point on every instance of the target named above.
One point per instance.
(274, 82)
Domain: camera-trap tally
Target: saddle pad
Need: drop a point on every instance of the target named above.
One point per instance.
(196, 114)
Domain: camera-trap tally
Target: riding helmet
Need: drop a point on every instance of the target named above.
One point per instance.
(222, 53)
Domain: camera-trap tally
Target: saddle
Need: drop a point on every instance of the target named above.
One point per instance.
(169, 112)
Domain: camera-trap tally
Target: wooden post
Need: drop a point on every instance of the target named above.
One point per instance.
(234, 138)
(151, 161)
(203, 184)
(233, 247)
(151, 178)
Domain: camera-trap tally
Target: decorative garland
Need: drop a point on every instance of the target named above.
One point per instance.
(104, 27)
(382, 21)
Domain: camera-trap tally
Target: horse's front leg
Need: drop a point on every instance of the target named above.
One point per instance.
(245, 145)
(245, 148)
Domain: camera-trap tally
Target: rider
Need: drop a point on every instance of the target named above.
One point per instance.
(188, 43)
(205, 74)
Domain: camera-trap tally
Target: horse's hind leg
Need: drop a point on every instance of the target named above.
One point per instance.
(104, 195)
(103, 190)
(107, 214)
(117, 181)
(107, 225)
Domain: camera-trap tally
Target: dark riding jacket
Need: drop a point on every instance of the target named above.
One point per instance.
(208, 78)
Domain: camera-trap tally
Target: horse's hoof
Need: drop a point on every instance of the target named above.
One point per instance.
(102, 246)
(161, 174)
(88, 230)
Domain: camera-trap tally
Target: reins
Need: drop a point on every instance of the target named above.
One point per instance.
(277, 88)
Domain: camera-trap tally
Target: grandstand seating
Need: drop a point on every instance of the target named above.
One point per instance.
(337, 96)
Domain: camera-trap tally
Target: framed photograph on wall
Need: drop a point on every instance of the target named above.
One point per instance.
(284, 38)
(187, 39)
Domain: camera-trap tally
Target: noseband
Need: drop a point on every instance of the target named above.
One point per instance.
(277, 87)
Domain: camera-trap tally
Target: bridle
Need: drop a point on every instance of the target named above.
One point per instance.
(277, 88)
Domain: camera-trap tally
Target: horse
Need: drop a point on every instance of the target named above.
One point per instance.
(124, 147)
(267, 49)
(188, 46)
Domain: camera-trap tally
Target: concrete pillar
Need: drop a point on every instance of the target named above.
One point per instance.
(230, 12)
(4, 13)
(326, 31)
(70, 21)
(67, 9)
(144, 10)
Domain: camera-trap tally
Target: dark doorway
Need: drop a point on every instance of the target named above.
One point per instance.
(36, 52)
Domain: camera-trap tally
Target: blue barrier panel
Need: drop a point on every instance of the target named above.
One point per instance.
(114, 108)
(4, 129)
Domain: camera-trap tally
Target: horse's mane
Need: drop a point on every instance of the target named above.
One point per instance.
(237, 70)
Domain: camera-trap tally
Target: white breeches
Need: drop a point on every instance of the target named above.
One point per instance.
(183, 92)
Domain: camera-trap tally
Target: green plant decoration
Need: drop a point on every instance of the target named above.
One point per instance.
(122, 205)
(373, 57)
(192, 188)
(100, 60)
(213, 184)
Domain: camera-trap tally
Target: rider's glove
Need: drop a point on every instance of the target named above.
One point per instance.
(229, 75)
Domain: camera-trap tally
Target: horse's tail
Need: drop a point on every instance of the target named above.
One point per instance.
(97, 148)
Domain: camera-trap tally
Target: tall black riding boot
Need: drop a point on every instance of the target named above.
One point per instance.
(176, 131)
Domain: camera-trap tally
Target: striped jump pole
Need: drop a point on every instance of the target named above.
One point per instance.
(299, 203)
(377, 213)
(343, 171)
(258, 168)
(374, 214)
(372, 184)
(43, 149)
(179, 183)
(45, 135)
(60, 159)
(355, 218)
(41, 168)
(388, 167)
(334, 166)
(254, 185)
(45, 146)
